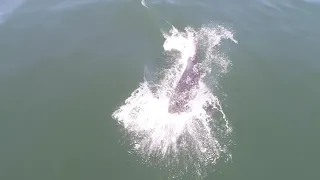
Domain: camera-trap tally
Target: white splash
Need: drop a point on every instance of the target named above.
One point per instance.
(143, 2)
(186, 143)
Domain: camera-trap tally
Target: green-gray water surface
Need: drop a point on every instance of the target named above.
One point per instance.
(67, 65)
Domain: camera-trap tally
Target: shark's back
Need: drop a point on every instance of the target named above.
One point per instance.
(183, 91)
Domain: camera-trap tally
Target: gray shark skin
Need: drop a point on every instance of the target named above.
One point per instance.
(183, 90)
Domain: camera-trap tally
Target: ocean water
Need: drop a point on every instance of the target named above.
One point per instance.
(84, 89)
